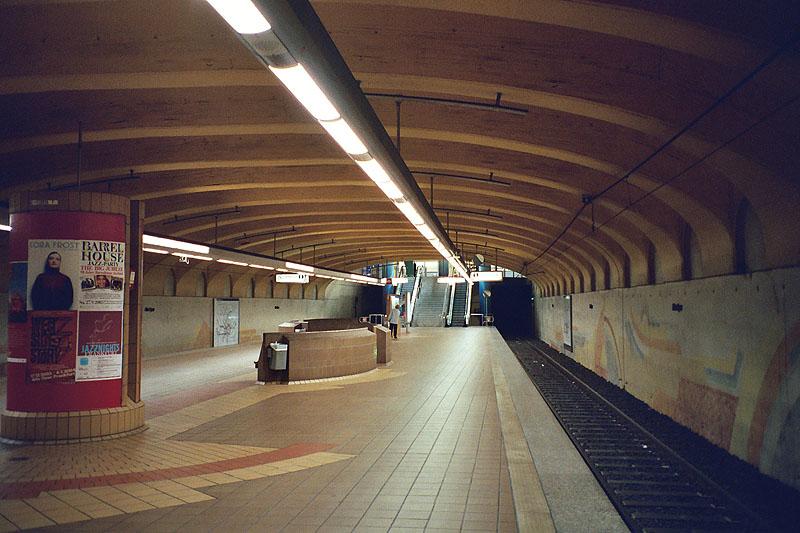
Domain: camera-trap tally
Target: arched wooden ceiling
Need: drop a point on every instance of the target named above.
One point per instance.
(163, 88)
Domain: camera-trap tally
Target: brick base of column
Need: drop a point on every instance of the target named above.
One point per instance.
(71, 426)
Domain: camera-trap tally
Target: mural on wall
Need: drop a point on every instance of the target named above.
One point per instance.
(607, 353)
(774, 439)
(662, 375)
(720, 356)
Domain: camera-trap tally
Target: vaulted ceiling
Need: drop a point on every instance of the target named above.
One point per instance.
(650, 138)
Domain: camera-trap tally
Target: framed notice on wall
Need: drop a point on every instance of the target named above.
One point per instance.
(226, 321)
(568, 323)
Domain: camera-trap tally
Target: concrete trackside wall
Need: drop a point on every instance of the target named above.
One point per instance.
(175, 324)
(719, 355)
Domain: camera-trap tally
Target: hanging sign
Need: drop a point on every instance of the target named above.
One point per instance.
(494, 275)
(291, 278)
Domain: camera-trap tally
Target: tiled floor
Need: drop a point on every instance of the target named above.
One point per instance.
(432, 442)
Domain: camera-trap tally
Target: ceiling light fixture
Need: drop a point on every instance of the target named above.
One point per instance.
(344, 135)
(155, 251)
(426, 232)
(229, 262)
(307, 92)
(302, 49)
(190, 256)
(410, 213)
(242, 15)
(298, 266)
(176, 245)
(376, 172)
(252, 265)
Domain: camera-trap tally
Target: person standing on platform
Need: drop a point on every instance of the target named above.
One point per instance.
(394, 321)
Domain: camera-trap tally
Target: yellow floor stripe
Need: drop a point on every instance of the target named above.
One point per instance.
(530, 504)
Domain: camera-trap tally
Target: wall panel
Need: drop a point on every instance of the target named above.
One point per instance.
(719, 355)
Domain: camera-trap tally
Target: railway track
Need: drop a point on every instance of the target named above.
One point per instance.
(653, 488)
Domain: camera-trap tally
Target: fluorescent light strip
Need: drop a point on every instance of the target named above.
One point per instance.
(4, 227)
(410, 213)
(260, 266)
(427, 232)
(190, 256)
(359, 277)
(155, 251)
(376, 172)
(242, 15)
(177, 245)
(246, 18)
(229, 262)
(297, 266)
(306, 90)
(345, 136)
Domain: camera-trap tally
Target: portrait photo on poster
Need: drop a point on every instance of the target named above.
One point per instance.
(52, 274)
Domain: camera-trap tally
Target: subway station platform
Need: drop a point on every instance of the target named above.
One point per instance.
(451, 436)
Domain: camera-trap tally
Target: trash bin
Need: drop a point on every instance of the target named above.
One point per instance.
(277, 359)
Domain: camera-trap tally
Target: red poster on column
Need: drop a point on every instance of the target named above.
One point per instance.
(52, 356)
(66, 293)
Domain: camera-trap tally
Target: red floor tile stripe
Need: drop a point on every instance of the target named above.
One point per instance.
(31, 489)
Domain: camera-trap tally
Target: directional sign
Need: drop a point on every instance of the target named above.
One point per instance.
(291, 278)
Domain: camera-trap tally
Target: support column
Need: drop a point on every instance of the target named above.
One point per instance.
(69, 326)
(133, 305)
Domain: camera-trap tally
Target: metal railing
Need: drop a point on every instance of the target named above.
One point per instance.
(414, 294)
(468, 304)
(449, 320)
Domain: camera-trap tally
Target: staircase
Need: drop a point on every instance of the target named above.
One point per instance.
(460, 305)
(430, 303)
(405, 288)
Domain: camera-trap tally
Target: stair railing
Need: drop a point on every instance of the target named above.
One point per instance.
(447, 303)
(412, 303)
(468, 304)
(449, 321)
